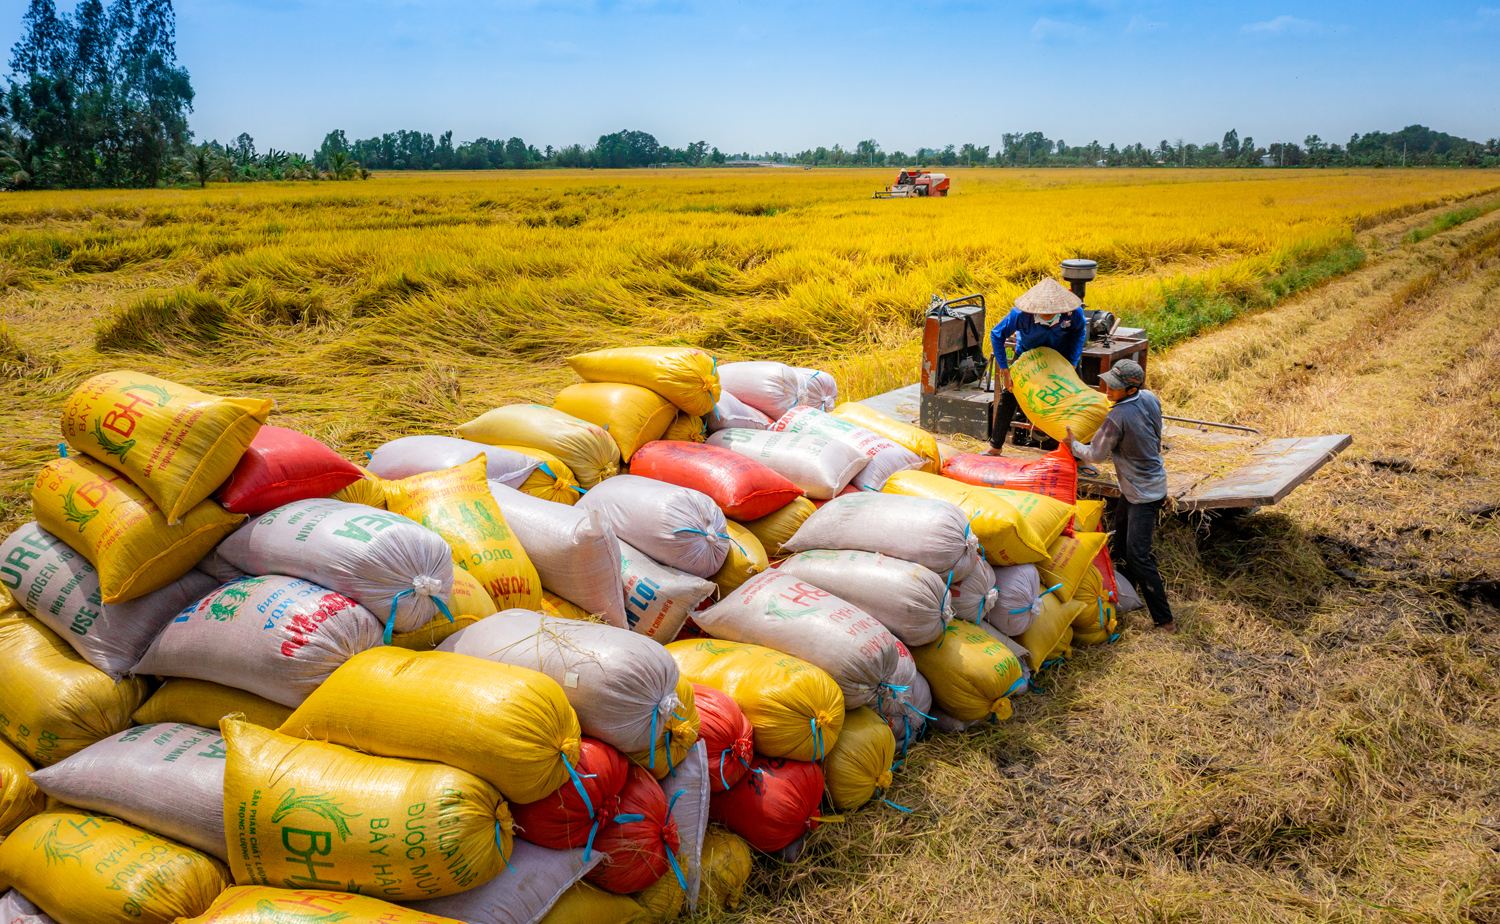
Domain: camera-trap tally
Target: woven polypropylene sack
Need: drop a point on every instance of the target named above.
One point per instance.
(16, 908)
(687, 792)
(59, 587)
(916, 439)
(795, 707)
(585, 448)
(773, 530)
(84, 868)
(419, 455)
(277, 637)
(727, 863)
(1130, 601)
(673, 744)
(733, 414)
(571, 816)
(1023, 657)
(466, 605)
(676, 526)
(1054, 398)
(788, 614)
(972, 676)
(53, 703)
(975, 595)
(859, 767)
(909, 600)
(177, 444)
(658, 599)
(769, 387)
(510, 726)
(553, 605)
(686, 428)
(933, 533)
(456, 503)
(200, 702)
(773, 805)
(166, 778)
(1045, 634)
(573, 549)
(120, 530)
(281, 466)
(743, 488)
(905, 702)
(746, 559)
(663, 899)
(588, 904)
(552, 480)
(636, 842)
(522, 893)
(19, 797)
(820, 467)
(1019, 602)
(267, 905)
(368, 490)
(623, 686)
(816, 388)
(1006, 537)
(1071, 559)
(1090, 515)
(1047, 517)
(886, 457)
(633, 416)
(391, 565)
(727, 735)
(1055, 474)
(684, 376)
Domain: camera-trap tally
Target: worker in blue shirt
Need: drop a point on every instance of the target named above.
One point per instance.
(1046, 315)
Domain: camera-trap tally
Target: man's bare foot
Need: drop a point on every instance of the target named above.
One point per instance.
(1168, 627)
(992, 451)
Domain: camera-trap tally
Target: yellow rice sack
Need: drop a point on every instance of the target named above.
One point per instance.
(585, 448)
(201, 703)
(509, 726)
(85, 868)
(317, 815)
(633, 416)
(19, 797)
(1045, 635)
(916, 439)
(266, 905)
(584, 903)
(686, 428)
(468, 603)
(774, 529)
(176, 443)
(456, 503)
(727, 863)
(552, 480)
(677, 739)
(1064, 646)
(1047, 516)
(1090, 516)
(858, 768)
(684, 376)
(369, 490)
(796, 709)
(972, 674)
(1071, 559)
(53, 703)
(746, 559)
(553, 605)
(664, 898)
(1006, 536)
(112, 523)
(1054, 398)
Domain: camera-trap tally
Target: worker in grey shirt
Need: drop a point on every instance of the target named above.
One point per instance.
(1131, 434)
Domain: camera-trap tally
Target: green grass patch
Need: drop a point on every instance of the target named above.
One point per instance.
(1449, 220)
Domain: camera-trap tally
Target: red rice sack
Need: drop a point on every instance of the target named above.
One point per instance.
(776, 803)
(727, 735)
(571, 816)
(282, 466)
(742, 487)
(1055, 474)
(636, 843)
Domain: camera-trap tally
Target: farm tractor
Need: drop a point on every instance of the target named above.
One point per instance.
(915, 182)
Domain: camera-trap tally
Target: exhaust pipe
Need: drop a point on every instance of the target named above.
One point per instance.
(1078, 272)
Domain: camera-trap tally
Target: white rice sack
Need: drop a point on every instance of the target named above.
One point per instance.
(277, 637)
(788, 614)
(658, 599)
(523, 893)
(908, 599)
(732, 413)
(905, 701)
(945, 724)
(933, 533)
(380, 560)
(61, 589)
(417, 455)
(687, 790)
(167, 778)
(887, 457)
(16, 908)
(677, 526)
(622, 685)
(821, 468)
(816, 388)
(575, 552)
(974, 595)
(1019, 602)
(769, 387)
(214, 565)
(1129, 599)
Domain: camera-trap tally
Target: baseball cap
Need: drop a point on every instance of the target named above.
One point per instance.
(1127, 373)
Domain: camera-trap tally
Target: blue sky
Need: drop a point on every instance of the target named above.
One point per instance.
(770, 75)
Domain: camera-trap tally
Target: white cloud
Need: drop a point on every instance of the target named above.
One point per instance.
(1284, 25)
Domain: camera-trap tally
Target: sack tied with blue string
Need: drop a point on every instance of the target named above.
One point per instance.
(931, 532)
(776, 803)
(905, 701)
(571, 816)
(859, 767)
(640, 842)
(728, 737)
(911, 601)
(674, 741)
(971, 674)
(679, 527)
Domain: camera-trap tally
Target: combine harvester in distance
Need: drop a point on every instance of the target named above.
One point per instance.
(915, 182)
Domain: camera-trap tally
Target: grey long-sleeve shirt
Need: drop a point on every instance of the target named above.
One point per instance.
(1132, 435)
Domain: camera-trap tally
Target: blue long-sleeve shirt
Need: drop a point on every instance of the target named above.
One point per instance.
(1066, 336)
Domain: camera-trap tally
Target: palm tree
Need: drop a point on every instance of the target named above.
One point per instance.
(342, 167)
(203, 164)
(300, 168)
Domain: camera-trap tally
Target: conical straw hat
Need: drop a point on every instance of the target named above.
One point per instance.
(1048, 297)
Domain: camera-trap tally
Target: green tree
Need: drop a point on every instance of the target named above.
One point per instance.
(204, 164)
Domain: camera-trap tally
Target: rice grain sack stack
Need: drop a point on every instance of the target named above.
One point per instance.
(913, 438)
(623, 686)
(971, 675)
(522, 893)
(816, 388)
(776, 803)
(281, 466)
(121, 531)
(905, 702)
(1051, 631)
(733, 414)
(166, 778)
(858, 768)
(1019, 590)
(640, 843)
(585, 448)
(795, 708)
(1005, 536)
(783, 612)
(176, 444)
(633, 416)
(509, 726)
(19, 797)
(308, 813)
(571, 816)
(59, 587)
(912, 602)
(672, 744)
(678, 527)
(552, 480)
(933, 533)
(728, 737)
(419, 455)
(181, 700)
(658, 599)
(886, 457)
(820, 467)
(1071, 559)
(773, 530)
(266, 905)
(684, 376)
(975, 595)
(1047, 517)
(277, 637)
(769, 387)
(1054, 398)
(741, 487)
(574, 551)
(1055, 474)
(746, 558)
(391, 565)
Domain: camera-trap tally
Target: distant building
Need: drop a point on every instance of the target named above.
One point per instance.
(1267, 160)
(1101, 162)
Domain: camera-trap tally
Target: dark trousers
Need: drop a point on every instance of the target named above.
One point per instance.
(1002, 412)
(1135, 524)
